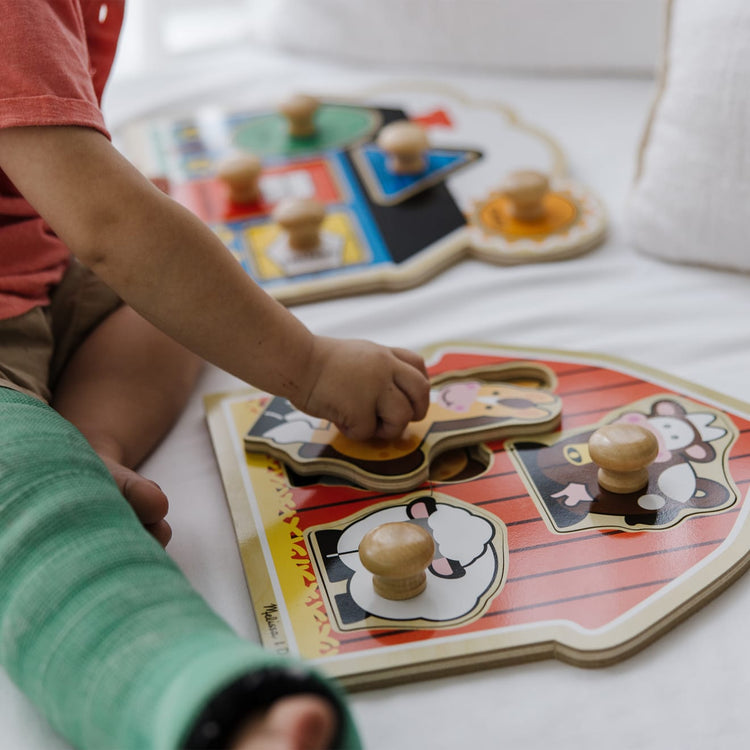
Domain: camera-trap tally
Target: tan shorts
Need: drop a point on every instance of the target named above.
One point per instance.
(36, 346)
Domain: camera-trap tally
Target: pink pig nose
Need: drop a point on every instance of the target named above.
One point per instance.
(458, 396)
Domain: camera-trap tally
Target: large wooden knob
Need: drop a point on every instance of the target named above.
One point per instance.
(301, 219)
(623, 453)
(405, 144)
(525, 191)
(397, 555)
(299, 111)
(241, 175)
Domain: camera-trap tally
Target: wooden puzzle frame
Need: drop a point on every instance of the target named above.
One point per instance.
(271, 514)
(482, 226)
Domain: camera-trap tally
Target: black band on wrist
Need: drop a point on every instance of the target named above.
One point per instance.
(221, 720)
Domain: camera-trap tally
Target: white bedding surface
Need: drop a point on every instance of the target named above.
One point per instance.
(687, 690)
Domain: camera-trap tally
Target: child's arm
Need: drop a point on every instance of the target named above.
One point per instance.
(171, 268)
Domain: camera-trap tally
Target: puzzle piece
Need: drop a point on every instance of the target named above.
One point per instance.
(462, 412)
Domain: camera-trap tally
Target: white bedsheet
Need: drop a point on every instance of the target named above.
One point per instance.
(688, 689)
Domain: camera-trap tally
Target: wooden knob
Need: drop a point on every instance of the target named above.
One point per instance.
(299, 111)
(405, 143)
(525, 191)
(241, 175)
(623, 453)
(397, 555)
(301, 218)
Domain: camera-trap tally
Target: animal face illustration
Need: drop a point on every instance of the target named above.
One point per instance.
(468, 564)
(475, 399)
(687, 475)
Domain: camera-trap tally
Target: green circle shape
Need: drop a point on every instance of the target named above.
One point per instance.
(336, 127)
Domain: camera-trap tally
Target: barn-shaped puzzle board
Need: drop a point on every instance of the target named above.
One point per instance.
(532, 559)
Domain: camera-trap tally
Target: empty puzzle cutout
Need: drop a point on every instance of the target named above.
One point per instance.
(462, 412)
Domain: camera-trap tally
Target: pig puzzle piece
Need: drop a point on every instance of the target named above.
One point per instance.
(461, 413)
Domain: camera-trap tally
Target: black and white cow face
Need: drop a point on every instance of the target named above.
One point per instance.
(686, 477)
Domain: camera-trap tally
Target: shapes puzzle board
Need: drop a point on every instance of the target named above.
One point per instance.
(533, 558)
(382, 231)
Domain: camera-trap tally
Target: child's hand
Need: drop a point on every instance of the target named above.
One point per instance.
(297, 722)
(365, 389)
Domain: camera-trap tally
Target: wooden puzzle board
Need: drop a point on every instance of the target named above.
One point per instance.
(384, 232)
(589, 579)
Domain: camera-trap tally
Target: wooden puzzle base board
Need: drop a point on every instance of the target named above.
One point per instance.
(534, 560)
(382, 232)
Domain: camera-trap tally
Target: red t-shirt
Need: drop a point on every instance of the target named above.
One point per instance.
(55, 58)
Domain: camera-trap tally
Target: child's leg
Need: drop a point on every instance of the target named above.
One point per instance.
(123, 388)
(97, 624)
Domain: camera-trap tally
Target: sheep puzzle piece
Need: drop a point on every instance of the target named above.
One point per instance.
(319, 198)
(532, 553)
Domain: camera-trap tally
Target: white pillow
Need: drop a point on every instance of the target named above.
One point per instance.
(532, 35)
(691, 198)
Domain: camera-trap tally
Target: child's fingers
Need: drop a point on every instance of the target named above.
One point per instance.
(416, 387)
(411, 358)
(161, 531)
(297, 722)
(368, 390)
(361, 423)
(395, 411)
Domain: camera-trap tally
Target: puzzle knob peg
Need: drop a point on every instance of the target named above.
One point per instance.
(301, 219)
(526, 190)
(397, 554)
(623, 453)
(299, 111)
(405, 144)
(241, 175)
